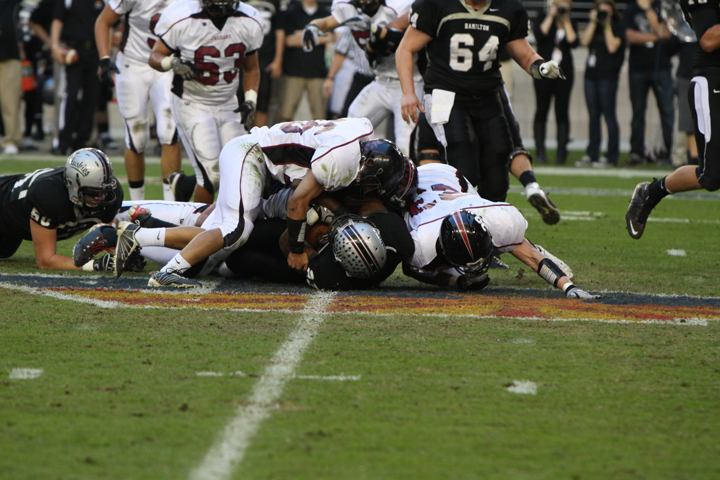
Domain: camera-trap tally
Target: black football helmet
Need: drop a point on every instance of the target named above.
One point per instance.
(399, 196)
(90, 179)
(220, 8)
(382, 166)
(465, 242)
(368, 7)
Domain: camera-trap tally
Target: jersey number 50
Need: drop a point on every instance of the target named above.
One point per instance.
(461, 59)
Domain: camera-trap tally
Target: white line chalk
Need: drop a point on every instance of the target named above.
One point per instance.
(524, 387)
(230, 448)
(676, 253)
(25, 373)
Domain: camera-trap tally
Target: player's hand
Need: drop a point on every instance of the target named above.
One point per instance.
(247, 114)
(576, 292)
(310, 37)
(472, 283)
(361, 23)
(298, 261)
(327, 87)
(186, 70)
(106, 263)
(546, 70)
(410, 106)
(107, 70)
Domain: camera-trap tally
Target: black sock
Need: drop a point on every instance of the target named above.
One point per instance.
(527, 177)
(136, 184)
(103, 127)
(657, 190)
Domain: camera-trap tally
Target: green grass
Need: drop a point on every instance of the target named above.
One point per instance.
(120, 399)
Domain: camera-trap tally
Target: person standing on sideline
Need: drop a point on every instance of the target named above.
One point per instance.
(705, 103)
(556, 36)
(73, 45)
(605, 39)
(649, 67)
(10, 77)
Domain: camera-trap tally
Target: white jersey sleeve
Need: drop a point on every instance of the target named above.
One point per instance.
(342, 10)
(219, 54)
(331, 149)
(141, 19)
(442, 191)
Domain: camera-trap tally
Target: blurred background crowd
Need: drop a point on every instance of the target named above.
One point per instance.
(613, 56)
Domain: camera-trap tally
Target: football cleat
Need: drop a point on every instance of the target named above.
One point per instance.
(539, 199)
(139, 215)
(88, 246)
(126, 245)
(171, 279)
(563, 266)
(640, 207)
(175, 180)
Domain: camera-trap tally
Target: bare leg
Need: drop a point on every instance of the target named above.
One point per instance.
(179, 237)
(170, 159)
(682, 180)
(261, 119)
(202, 246)
(203, 196)
(134, 165)
(519, 165)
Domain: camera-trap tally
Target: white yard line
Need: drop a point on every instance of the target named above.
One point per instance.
(676, 253)
(25, 373)
(229, 450)
(524, 387)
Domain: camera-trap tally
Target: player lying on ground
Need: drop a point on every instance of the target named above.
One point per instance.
(57, 203)
(704, 100)
(456, 232)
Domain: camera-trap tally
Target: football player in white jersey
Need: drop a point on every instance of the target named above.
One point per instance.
(313, 157)
(378, 27)
(456, 232)
(135, 83)
(206, 43)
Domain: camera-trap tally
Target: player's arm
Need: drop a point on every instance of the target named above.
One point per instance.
(412, 42)
(437, 277)
(523, 54)
(306, 191)
(103, 26)
(325, 24)
(706, 19)
(251, 73)
(45, 245)
(162, 60)
(329, 82)
(547, 270)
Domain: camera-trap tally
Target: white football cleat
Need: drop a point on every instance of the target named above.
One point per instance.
(539, 199)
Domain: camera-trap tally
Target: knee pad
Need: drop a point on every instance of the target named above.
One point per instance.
(136, 136)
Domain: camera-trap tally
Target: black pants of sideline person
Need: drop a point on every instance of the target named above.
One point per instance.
(77, 109)
(545, 90)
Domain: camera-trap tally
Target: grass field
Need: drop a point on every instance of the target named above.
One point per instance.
(259, 381)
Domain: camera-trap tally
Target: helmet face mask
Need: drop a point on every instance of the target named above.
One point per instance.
(385, 170)
(368, 7)
(90, 180)
(465, 242)
(357, 246)
(220, 8)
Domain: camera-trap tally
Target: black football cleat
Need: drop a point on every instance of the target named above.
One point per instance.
(171, 279)
(90, 245)
(640, 207)
(126, 245)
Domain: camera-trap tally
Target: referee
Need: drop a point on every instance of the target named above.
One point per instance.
(73, 28)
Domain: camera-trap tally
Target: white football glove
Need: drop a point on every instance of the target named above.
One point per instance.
(548, 70)
(574, 292)
(311, 37)
(361, 23)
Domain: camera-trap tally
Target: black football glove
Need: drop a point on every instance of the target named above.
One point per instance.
(472, 283)
(186, 70)
(247, 114)
(106, 263)
(107, 69)
(135, 262)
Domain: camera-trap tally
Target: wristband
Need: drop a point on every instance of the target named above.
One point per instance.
(103, 58)
(167, 63)
(535, 69)
(88, 267)
(251, 96)
(296, 235)
(520, 151)
(568, 286)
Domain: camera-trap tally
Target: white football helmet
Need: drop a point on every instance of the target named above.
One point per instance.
(357, 246)
(90, 179)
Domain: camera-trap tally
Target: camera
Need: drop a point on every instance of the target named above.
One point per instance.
(562, 10)
(602, 16)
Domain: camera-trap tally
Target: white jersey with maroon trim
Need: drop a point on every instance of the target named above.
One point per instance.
(442, 191)
(189, 31)
(387, 13)
(330, 148)
(141, 16)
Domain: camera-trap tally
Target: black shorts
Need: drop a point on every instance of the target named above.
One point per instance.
(705, 106)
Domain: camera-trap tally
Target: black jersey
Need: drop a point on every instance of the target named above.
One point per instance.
(702, 15)
(463, 55)
(43, 197)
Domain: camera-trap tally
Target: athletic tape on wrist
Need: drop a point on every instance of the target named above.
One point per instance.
(296, 235)
(568, 287)
(550, 272)
(88, 267)
(251, 96)
(167, 63)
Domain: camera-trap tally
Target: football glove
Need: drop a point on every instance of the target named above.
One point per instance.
(106, 263)
(310, 37)
(186, 70)
(548, 70)
(472, 283)
(361, 23)
(107, 69)
(247, 114)
(575, 292)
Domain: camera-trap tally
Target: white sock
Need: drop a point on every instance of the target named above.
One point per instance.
(137, 194)
(177, 264)
(168, 195)
(150, 237)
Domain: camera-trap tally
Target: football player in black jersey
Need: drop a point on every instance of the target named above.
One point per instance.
(54, 204)
(704, 98)
(462, 81)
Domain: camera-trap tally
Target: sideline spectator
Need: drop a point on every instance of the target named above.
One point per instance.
(686, 150)
(304, 71)
(556, 36)
(649, 64)
(605, 39)
(10, 76)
